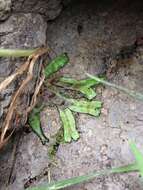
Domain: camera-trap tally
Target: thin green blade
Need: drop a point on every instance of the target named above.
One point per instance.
(80, 179)
(138, 156)
(132, 93)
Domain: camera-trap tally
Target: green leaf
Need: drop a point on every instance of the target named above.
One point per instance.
(83, 86)
(84, 82)
(138, 156)
(73, 131)
(56, 64)
(88, 92)
(69, 125)
(34, 122)
(88, 107)
(65, 122)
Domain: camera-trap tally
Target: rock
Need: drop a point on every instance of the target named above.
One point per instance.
(50, 9)
(23, 31)
(19, 31)
(5, 8)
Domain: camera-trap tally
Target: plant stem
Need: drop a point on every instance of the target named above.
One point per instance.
(16, 52)
(76, 180)
(53, 90)
(131, 93)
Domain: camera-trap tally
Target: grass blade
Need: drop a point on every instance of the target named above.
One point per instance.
(131, 93)
(16, 52)
(76, 180)
(138, 156)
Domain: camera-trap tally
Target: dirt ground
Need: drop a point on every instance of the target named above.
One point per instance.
(90, 33)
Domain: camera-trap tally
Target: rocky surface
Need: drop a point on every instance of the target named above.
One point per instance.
(19, 31)
(5, 9)
(90, 34)
(50, 9)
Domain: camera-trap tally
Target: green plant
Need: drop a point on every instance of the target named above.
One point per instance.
(91, 107)
(85, 106)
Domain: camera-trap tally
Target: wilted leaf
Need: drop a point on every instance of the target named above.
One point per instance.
(138, 156)
(56, 64)
(92, 107)
(34, 122)
(69, 125)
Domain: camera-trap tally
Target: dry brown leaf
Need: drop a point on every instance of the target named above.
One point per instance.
(12, 77)
(34, 97)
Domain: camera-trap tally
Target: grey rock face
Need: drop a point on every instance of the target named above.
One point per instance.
(48, 8)
(23, 31)
(19, 31)
(5, 7)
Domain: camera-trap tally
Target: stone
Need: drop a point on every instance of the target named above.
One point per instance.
(5, 8)
(50, 9)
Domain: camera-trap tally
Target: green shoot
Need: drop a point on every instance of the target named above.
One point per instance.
(16, 52)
